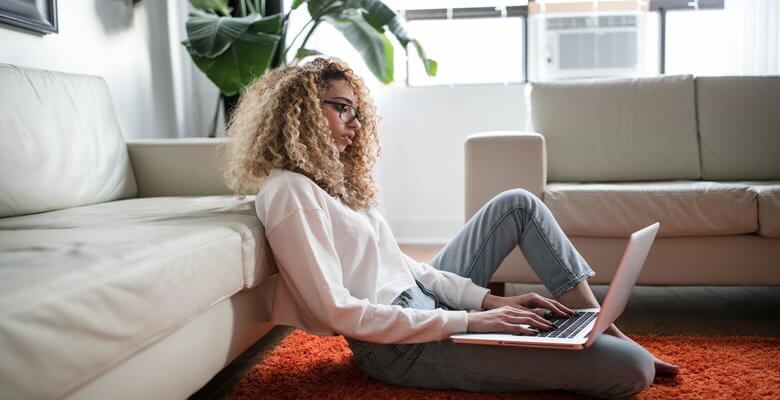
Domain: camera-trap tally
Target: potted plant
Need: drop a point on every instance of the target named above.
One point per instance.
(234, 46)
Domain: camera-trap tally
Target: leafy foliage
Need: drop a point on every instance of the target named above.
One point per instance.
(232, 51)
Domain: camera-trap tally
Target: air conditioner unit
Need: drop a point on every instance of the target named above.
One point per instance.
(576, 46)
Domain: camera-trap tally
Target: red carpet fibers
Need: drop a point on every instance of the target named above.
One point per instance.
(312, 367)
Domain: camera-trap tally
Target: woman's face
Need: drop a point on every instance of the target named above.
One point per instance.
(343, 119)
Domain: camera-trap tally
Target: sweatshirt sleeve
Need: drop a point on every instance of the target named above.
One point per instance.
(452, 289)
(302, 244)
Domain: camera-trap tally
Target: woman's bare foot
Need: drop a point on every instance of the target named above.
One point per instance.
(661, 367)
(664, 368)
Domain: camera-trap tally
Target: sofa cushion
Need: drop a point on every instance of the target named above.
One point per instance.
(684, 208)
(223, 211)
(768, 196)
(739, 126)
(618, 129)
(61, 144)
(85, 288)
(768, 209)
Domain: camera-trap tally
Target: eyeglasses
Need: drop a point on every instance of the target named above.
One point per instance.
(347, 113)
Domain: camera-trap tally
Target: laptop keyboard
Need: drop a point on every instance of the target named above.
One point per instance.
(568, 327)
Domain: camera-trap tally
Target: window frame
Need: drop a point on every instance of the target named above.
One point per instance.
(659, 6)
(662, 6)
(474, 12)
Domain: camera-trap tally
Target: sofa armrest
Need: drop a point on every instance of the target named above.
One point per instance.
(177, 167)
(501, 160)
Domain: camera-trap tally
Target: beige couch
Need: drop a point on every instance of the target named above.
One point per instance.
(126, 269)
(700, 155)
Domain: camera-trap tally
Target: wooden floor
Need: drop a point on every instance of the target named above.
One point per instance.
(663, 310)
(677, 310)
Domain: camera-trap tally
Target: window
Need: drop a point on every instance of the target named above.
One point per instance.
(473, 41)
(505, 41)
(473, 50)
(740, 38)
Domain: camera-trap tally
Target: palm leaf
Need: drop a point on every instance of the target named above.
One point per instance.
(373, 46)
(210, 35)
(248, 57)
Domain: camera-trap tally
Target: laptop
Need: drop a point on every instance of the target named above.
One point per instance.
(580, 331)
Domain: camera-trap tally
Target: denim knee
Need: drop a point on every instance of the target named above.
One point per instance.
(634, 371)
(517, 197)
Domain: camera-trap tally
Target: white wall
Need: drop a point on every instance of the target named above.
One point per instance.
(128, 46)
(421, 170)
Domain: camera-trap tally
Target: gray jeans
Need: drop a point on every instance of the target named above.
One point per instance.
(611, 367)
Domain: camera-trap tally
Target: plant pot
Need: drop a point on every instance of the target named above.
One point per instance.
(229, 104)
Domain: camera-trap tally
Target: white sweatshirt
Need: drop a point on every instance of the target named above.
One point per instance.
(339, 269)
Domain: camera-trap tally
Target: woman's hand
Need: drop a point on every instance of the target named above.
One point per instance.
(526, 302)
(507, 319)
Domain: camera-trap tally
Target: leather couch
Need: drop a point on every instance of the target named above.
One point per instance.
(609, 156)
(127, 270)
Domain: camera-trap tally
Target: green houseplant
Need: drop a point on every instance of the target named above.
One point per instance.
(232, 47)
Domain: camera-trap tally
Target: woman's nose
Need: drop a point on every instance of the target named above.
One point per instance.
(355, 124)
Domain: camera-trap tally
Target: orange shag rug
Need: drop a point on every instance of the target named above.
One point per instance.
(304, 366)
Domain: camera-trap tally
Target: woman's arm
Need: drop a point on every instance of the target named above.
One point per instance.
(452, 289)
(302, 244)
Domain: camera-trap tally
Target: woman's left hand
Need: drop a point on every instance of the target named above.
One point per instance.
(526, 302)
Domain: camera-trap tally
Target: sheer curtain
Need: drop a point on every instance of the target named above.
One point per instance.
(760, 37)
(194, 95)
(740, 39)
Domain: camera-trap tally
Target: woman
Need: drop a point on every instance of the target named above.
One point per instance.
(307, 137)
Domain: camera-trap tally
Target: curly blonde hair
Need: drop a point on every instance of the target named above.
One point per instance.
(279, 123)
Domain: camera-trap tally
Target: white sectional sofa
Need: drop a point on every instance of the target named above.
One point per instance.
(127, 270)
(608, 156)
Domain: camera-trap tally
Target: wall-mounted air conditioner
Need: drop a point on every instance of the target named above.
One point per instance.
(577, 46)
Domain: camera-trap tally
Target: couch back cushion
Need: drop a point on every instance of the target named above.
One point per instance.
(739, 126)
(61, 145)
(602, 130)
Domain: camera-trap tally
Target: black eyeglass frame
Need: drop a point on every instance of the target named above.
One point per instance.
(358, 116)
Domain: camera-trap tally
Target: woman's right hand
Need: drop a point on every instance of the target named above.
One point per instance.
(507, 319)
